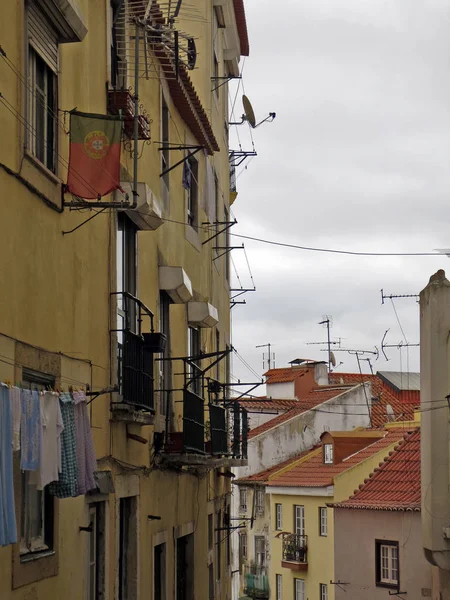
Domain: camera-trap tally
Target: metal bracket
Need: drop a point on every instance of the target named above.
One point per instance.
(227, 224)
(227, 79)
(237, 157)
(107, 390)
(194, 150)
(227, 249)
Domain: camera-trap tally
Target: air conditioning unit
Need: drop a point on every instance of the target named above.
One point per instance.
(148, 213)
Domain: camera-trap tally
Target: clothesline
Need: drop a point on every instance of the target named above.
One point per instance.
(52, 433)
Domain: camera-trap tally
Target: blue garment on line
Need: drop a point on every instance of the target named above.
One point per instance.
(30, 431)
(8, 529)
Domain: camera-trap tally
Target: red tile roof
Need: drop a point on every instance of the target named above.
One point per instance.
(241, 23)
(402, 410)
(312, 472)
(284, 375)
(316, 397)
(268, 404)
(395, 484)
(263, 476)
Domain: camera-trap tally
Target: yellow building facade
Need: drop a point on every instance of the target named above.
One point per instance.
(88, 286)
(294, 548)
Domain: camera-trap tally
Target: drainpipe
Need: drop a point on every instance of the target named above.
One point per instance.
(434, 388)
(136, 118)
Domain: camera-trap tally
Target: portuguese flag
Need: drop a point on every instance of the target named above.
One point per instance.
(94, 157)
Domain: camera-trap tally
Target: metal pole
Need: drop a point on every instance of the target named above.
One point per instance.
(329, 344)
(136, 115)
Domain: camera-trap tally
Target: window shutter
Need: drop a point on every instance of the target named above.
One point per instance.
(42, 36)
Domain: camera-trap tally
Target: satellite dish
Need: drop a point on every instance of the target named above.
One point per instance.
(390, 413)
(191, 54)
(333, 359)
(248, 111)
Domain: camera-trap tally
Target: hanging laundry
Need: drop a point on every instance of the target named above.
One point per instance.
(8, 528)
(66, 487)
(30, 430)
(51, 428)
(86, 460)
(16, 407)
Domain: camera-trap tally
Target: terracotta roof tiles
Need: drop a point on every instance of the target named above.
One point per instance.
(395, 485)
(241, 23)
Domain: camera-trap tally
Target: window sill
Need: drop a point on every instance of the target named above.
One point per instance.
(42, 168)
(32, 556)
(192, 237)
(390, 586)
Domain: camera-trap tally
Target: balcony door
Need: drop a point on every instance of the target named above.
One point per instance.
(299, 520)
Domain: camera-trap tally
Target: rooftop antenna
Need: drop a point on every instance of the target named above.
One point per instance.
(249, 115)
(327, 321)
(270, 356)
(399, 346)
(392, 296)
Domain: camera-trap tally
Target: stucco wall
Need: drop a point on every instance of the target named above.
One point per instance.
(285, 391)
(355, 535)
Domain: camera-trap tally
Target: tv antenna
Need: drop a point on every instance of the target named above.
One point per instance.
(270, 356)
(399, 346)
(327, 321)
(249, 115)
(392, 296)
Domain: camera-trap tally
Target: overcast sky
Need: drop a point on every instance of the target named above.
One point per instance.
(358, 158)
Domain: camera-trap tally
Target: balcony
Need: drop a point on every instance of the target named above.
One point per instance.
(256, 582)
(295, 552)
(135, 350)
(214, 428)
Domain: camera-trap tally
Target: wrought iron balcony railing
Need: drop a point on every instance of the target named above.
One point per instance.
(134, 353)
(295, 548)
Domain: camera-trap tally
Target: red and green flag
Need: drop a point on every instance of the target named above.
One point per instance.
(94, 157)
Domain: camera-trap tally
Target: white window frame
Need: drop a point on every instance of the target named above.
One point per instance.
(299, 519)
(389, 564)
(243, 543)
(323, 591)
(192, 193)
(328, 454)
(279, 586)
(260, 500)
(299, 589)
(243, 499)
(260, 551)
(278, 516)
(323, 521)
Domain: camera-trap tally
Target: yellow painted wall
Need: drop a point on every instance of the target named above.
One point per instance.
(55, 295)
(320, 549)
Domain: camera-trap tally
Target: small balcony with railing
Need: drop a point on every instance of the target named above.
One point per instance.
(256, 582)
(136, 343)
(213, 428)
(294, 552)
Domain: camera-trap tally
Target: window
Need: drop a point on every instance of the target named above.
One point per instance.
(42, 87)
(194, 351)
(260, 551)
(127, 548)
(299, 589)
(227, 245)
(328, 454)
(323, 591)
(259, 501)
(278, 516)
(210, 531)
(185, 566)
(160, 572)
(96, 578)
(219, 535)
(37, 506)
(211, 581)
(243, 499)
(192, 192)
(279, 586)
(243, 552)
(387, 563)
(299, 520)
(323, 521)
(165, 372)
(165, 152)
(118, 37)
(126, 258)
